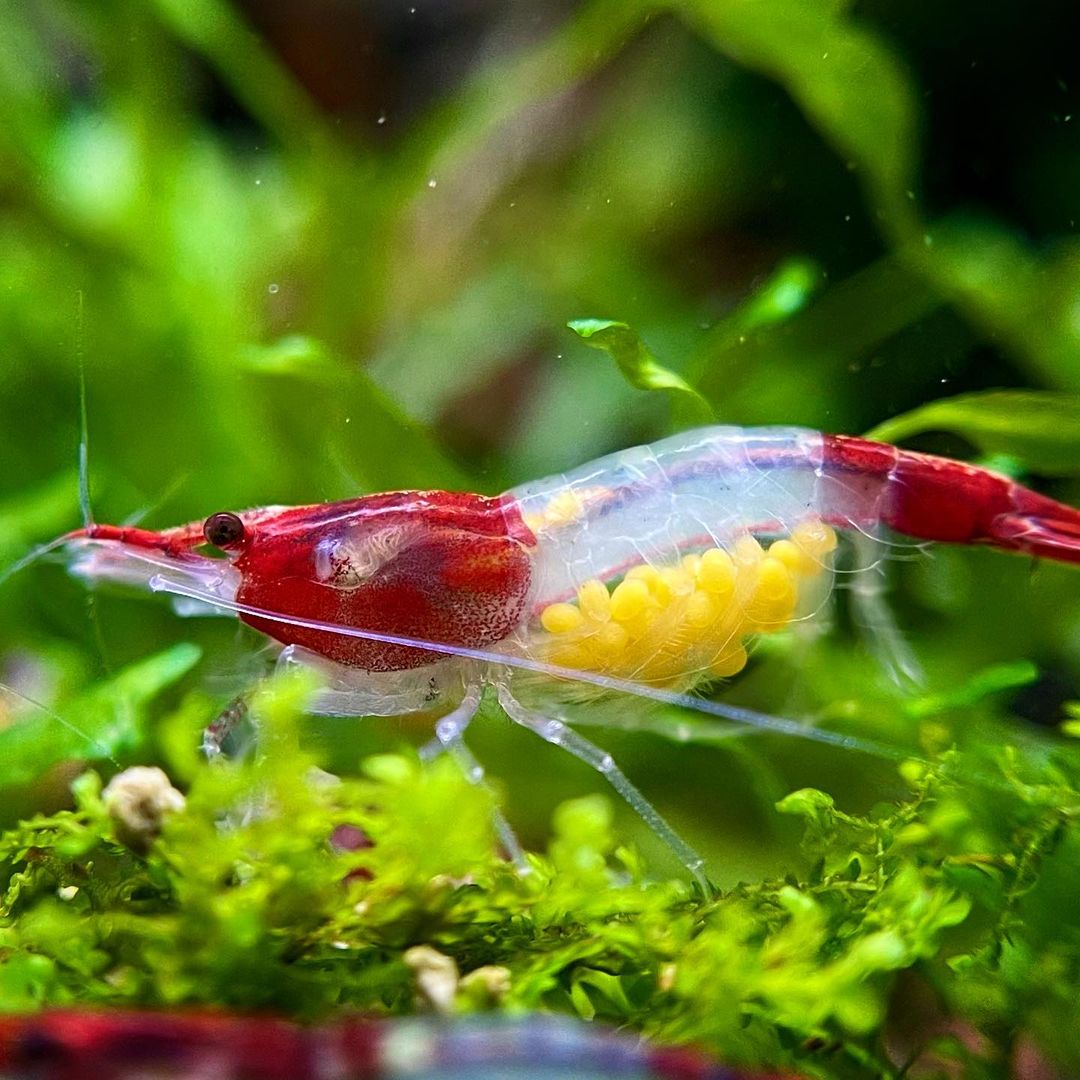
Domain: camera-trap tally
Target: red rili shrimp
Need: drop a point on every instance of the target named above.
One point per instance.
(649, 571)
(136, 1045)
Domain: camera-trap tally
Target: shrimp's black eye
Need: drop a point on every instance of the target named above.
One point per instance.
(223, 530)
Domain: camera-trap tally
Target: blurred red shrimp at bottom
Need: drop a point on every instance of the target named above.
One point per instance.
(74, 1045)
(647, 572)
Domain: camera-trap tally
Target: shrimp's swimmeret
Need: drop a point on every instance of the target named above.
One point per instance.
(650, 571)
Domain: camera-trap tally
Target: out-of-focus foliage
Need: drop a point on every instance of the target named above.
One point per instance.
(312, 896)
(303, 250)
(1039, 429)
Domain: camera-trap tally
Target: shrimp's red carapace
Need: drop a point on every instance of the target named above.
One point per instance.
(451, 567)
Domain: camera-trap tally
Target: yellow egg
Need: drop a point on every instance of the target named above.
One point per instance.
(594, 601)
(747, 550)
(716, 572)
(773, 578)
(629, 599)
(729, 663)
(571, 656)
(690, 563)
(642, 572)
(640, 624)
(700, 611)
(672, 582)
(610, 640)
(814, 537)
(661, 667)
(794, 557)
(772, 612)
(561, 618)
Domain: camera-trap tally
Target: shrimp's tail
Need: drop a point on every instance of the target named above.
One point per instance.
(933, 498)
(1044, 528)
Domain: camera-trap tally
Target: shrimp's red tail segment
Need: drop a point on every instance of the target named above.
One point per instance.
(932, 498)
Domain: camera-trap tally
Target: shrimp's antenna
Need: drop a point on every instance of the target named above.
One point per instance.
(32, 556)
(738, 714)
(84, 464)
(84, 425)
(62, 721)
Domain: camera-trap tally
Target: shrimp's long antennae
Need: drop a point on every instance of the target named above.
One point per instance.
(32, 557)
(84, 456)
(738, 714)
(62, 721)
(84, 425)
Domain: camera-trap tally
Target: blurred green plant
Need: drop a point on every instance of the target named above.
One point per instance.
(276, 888)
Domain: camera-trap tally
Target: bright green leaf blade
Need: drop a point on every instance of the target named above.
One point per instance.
(783, 295)
(991, 680)
(1041, 428)
(639, 367)
(104, 720)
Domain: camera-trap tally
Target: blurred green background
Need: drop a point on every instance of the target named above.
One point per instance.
(305, 250)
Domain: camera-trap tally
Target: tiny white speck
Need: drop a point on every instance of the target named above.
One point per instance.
(258, 182)
(742, 339)
(412, 11)
(824, 56)
(608, 201)
(272, 289)
(558, 356)
(847, 217)
(432, 182)
(944, 380)
(348, 419)
(382, 118)
(513, 204)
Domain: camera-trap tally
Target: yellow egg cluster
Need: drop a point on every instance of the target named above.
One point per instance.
(669, 625)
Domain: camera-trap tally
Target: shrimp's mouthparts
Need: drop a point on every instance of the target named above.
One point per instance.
(136, 557)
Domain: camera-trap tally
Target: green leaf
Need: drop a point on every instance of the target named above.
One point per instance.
(638, 365)
(847, 81)
(992, 680)
(1020, 296)
(337, 410)
(1040, 427)
(786, 292)
(102, 721)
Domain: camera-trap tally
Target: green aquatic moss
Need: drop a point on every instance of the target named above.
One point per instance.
(278, 886)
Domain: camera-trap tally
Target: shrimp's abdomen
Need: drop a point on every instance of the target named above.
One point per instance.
(933, 498)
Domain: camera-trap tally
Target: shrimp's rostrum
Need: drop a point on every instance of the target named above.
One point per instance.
(648, 571)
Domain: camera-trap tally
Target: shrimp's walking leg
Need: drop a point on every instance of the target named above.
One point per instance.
(225, 729)
(559, 733)
(450, 738)
(874, 618)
